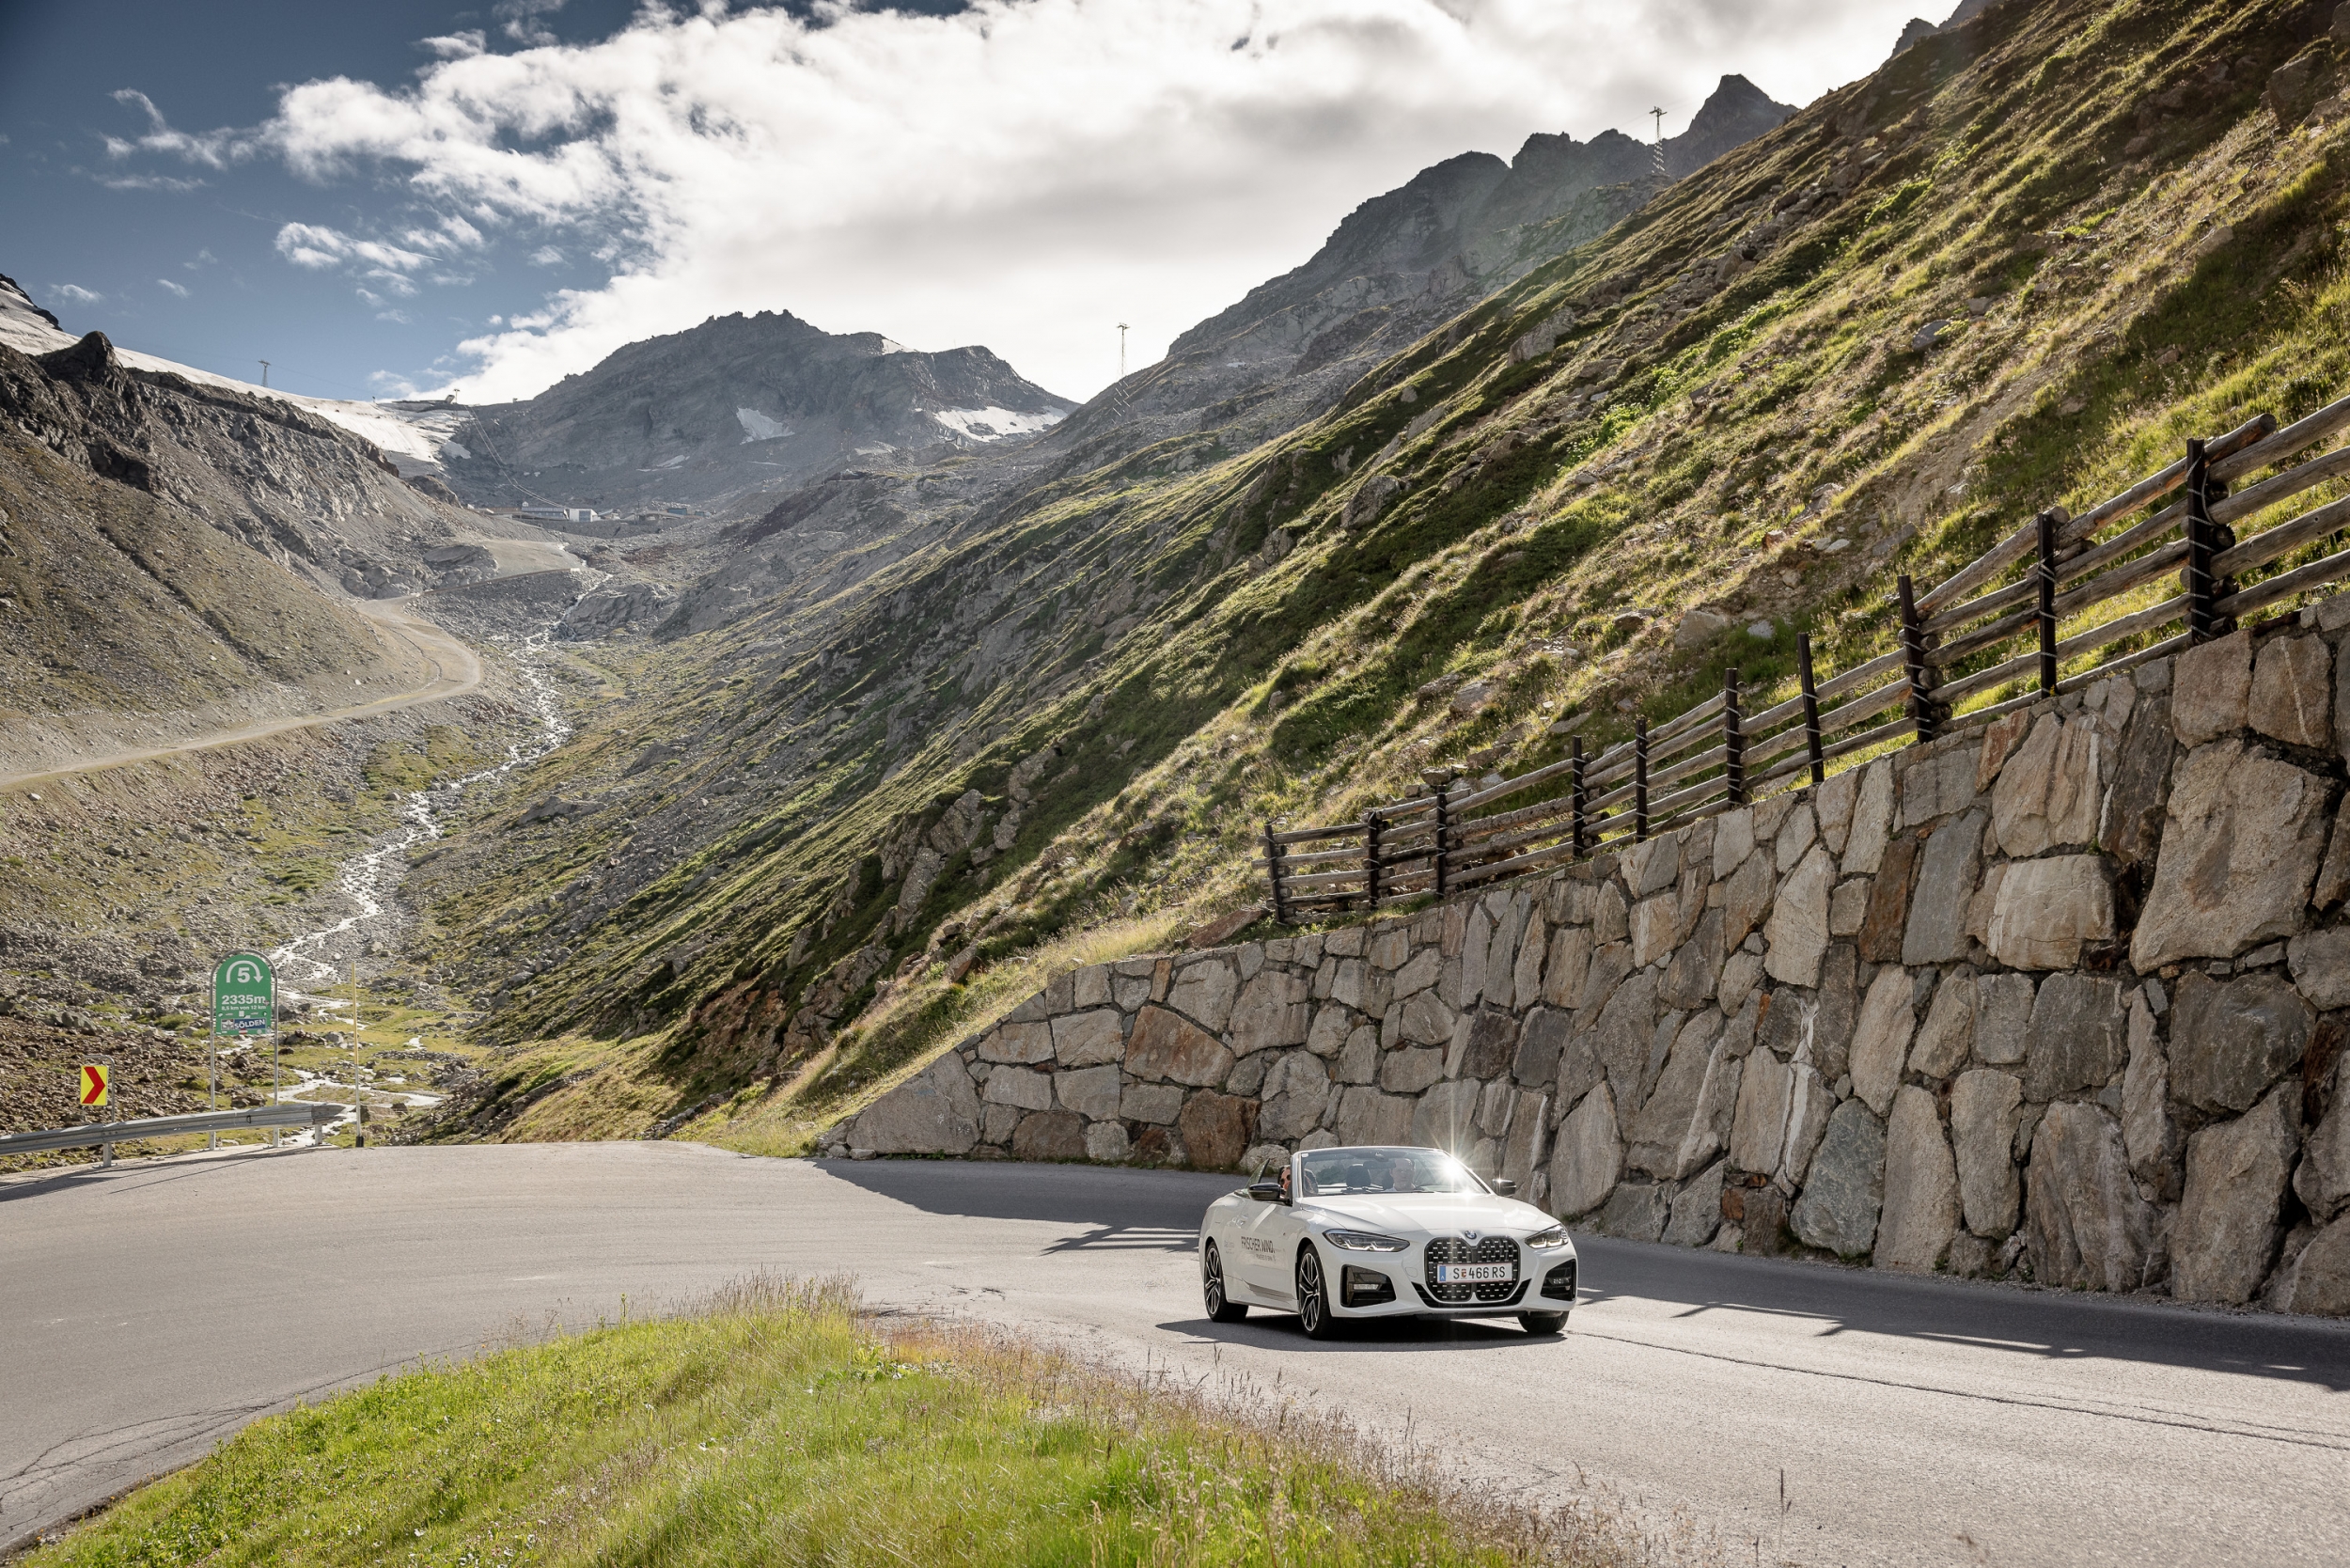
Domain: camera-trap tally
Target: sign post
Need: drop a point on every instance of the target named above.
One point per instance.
(97, 1077)
(244, 1003)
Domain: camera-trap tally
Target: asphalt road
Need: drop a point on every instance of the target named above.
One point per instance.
(150, 1309)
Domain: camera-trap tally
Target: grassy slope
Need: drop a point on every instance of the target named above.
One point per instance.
(777, 1428)
(2063, 164)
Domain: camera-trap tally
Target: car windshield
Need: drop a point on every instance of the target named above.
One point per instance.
(1331, 1172)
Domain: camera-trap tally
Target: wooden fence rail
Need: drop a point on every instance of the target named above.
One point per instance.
(1968, 636)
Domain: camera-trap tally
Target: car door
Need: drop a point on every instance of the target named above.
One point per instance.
(1268, 1245)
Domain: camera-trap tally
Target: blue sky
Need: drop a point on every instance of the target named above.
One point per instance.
(395, 195)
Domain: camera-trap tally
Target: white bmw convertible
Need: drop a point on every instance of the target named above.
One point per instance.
(1343, 1234)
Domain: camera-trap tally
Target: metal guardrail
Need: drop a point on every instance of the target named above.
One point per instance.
(289, 1114)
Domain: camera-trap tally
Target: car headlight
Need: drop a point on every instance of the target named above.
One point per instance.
(1555, 1236)
(1366, 1241)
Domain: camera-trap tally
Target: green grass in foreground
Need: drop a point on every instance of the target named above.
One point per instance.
(775, 1425)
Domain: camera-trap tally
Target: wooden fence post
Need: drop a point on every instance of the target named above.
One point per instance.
(1370, 860)
(1914, 649)
(1273, 849)
(1582, 797)
(1639, 779)
(1811, 707)
(1443, 834)
(1733, 741)
(2048, 574)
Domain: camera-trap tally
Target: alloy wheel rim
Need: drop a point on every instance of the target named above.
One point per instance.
(1310, 1290)
(1215, 1281)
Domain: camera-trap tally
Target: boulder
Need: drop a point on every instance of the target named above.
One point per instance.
(1696, 1209)
(1622, 1035)
(1937, 784)
(1697, 965)
(2003, 1018)
(1274, 1008)
(1024, 1043)
(1527, 987)
(1446, 1116)
(1295, 1093)
(1203, 990)
(1493, 1045)
(1838, 1211)
(2333, 878)
(1150, 1103)
(2086, 1227)
(2291, 696)
(1871, 820)
(2240, 847)
(1411, 1070)
(2047, 909)
(1686, 1116)
(2230, 1040)
(1023, 1087)
(1166, 1045)
(1998, 743)
(1747, 897)
(1698, 627)
(1589, 1158)
(1637, 1210)
(1833, 802)
(1541, 1038)
(1797, 930)
(1367, 1116)
(2227, 1229)
(2148, 1131)
(1758, 1127)
(2321, 1276)
(1092, 1092)
(2076, 1039)
(1733, 841)
(1216, 1128)
(1089, 1039)
(1796, 836)
(1106, 1143)
(1567, 965)
(1426, 1020)
(1986, 1107)
(2130, 826)
(2049, 793)
(2323, 1181)
(1050, 1134)
(1948, 1034)
(934, 1112)
(1880, 1042)
(2211, 687)
(1332, 1025)
(1920, 1212)
(2320, 966)
(1886, 913)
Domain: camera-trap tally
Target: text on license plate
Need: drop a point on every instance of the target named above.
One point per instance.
(1472, 1274)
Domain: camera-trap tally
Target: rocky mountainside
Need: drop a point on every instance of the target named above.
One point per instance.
(816, 837)
(738, 403)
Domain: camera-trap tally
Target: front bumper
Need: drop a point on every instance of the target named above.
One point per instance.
(1397, 1285)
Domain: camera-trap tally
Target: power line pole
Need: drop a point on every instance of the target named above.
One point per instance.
(264, 372)
(1656, 149)
(1122, 350)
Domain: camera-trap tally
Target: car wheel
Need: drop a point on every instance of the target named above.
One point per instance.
(1542, 1324)
(1313, 1298)
(1221, 1308)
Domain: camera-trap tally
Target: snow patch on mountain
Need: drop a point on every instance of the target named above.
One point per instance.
(994, 424)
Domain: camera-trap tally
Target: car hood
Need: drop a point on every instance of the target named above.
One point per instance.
(1427, 1214)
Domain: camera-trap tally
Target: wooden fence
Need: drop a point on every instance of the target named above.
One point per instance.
(1955, 645)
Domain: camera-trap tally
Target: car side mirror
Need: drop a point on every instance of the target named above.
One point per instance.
(1503, 1187)
(1266, 1192)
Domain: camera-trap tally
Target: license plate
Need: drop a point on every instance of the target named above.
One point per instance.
(1472, 1274)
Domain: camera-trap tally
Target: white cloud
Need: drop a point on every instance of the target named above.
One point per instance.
(1026, 174)
(78, 295)
(546, 256)
(456, 46)
(179, 289)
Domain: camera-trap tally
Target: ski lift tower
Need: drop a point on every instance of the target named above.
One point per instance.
(1657, 148)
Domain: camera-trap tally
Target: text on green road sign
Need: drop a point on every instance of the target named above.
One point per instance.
(244, 995)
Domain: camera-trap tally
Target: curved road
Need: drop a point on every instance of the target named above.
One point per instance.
(455, 672)
(151, 1309)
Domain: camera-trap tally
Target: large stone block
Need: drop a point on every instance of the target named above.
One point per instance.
(1493, 1045)
(1446, 1116)
(2076, 1039)
(1733, 841)
(2333, 878)
(1050, 1134)
(2240, 847)
(1158, 1103)
(2003, 1018)
(1696, 1209)
(1427, 1021)
(1294, 1094)
(1409, 1071)
(1090, 1039)
(2227, 1231)
(1168, 1046)
(2047, 909)
(2130, 827)
(1360, 1062)
(1540, 1040)
(1687, 1117)
(1333, 1022)
(1637, 1210)
(1522, 1154)
(2320, 966)
(1697, 965)
(1886, 913)
(1871, 820)
(1938, 785)
(1946, 1036)
(2085, 1225)
(2321, 1276)
(1986, 1107)
(2211, 687)
(2292, 692)
(1747, 897)
(1527, 986)
(1797, 931)
(1420, 972)
(1203, 992)
(1026, 1043)
(1024, 1087)
(1274, 1008)
(1845, 1188)
(1796, 836)
(1570, 962)
(1880, 1042)
(1758, 1128)
(2148, 1131)
(1809, 1103)
(2049, 792)
(1625, 1030)
(934, 1112)
(1092, 1092)
(2323, 1181)
(1216, 1129)
(1589, 1158)
(1920, 1186)
(2229, 1041)
(1367, 1116)
(1655, 921)
(1833, 803)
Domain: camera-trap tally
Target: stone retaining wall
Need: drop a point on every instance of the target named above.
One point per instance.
(2064, 998)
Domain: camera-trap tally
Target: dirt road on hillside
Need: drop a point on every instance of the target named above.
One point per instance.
(454, 668)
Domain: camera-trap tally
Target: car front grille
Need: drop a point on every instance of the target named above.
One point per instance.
(1492, 1249)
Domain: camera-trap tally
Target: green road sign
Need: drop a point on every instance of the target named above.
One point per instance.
(244, 996)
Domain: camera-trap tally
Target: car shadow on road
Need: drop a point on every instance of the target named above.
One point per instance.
(2046, 1326)
(1276, 1330)
(1150, 1209)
